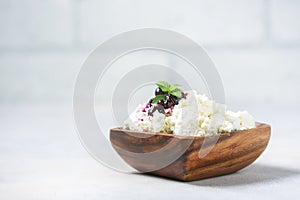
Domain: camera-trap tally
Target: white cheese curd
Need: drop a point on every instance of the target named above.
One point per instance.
(158, 122)
(185, 116)
(194, 115)
(140, 121)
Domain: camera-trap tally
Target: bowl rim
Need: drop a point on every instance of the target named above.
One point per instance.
(258, 125)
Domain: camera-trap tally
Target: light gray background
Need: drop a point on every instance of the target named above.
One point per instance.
(254, 43)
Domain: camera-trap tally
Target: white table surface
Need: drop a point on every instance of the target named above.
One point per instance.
(41, 158)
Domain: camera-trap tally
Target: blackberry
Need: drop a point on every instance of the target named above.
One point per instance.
(150, 101)
(158, 91)
(174, 99)
(161, 103)
(169, 101)
(158, 108)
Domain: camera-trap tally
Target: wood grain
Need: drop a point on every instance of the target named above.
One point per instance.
(231, 153)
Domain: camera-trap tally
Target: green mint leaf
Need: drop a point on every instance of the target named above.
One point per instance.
(163, 85)
(158, 98)
(177, 93)
(164, 89)
(173, 87)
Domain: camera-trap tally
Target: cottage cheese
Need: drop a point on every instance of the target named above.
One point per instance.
(194, 115)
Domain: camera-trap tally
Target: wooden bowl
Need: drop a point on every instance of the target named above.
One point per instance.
(177, 157)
